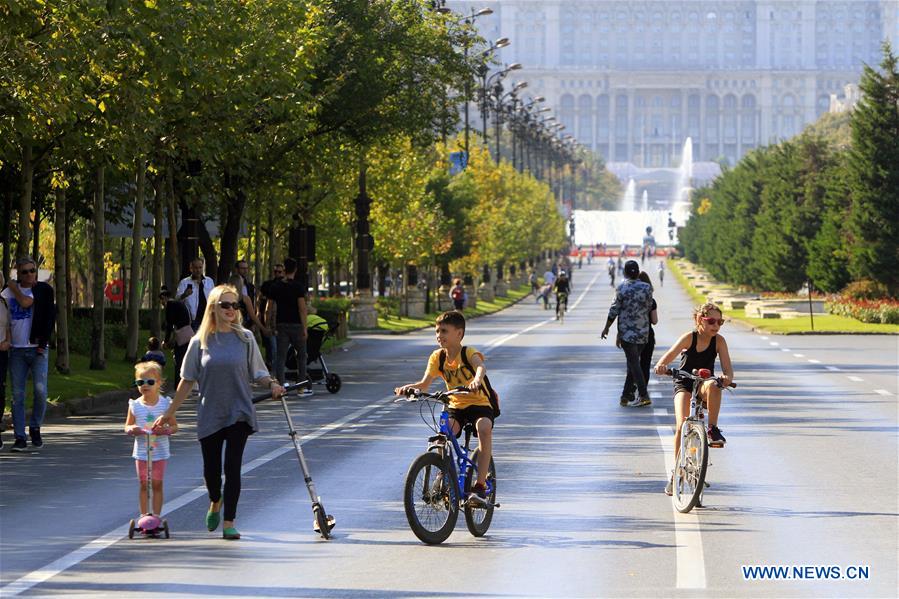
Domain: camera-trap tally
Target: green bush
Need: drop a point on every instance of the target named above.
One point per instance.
(889, 315)
(865, 289)
(114, 315)
(114, 336)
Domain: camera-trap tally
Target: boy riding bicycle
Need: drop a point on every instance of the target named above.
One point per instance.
(562, 287)
(462, 370)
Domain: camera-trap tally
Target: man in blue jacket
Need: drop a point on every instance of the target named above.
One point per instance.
(32, 316)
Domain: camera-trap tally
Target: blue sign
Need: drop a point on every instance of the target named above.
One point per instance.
(458, 162)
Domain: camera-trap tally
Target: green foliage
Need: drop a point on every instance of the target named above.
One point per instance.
(873, 176)
(865, 289)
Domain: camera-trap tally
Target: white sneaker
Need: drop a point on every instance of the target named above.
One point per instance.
(307, 393)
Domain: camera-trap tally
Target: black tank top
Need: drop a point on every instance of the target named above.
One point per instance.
(692, 359)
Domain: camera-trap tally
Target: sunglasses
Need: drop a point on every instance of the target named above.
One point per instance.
(142, 382)
(710, 320)
(27, 271)
(229, 305)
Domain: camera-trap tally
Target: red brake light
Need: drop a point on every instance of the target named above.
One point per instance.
(704, 373)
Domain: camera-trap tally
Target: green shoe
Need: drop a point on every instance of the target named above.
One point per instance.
(230, 534)
(212, 520)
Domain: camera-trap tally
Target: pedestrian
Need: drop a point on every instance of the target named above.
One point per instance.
(154, 352)
(4, 352)
(32, 316)
(287, 302)
(457, 295)
(532, 281)
(268, 326)
(142, 413)
(178, 331)
(632, 306)
(661, 273)
(223, 359)
(620, 265)
(194, 291)
(646, 354)
(610, 265)
(240, 280)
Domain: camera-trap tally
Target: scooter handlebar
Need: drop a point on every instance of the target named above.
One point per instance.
(287, 389)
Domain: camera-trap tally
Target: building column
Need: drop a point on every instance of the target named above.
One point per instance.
(700, 143)
(612, 119)
(551, 35)
(630, 125)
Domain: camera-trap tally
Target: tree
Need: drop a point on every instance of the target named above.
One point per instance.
(873, 176)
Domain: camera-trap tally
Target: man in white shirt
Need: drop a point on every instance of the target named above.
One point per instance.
(193, 291)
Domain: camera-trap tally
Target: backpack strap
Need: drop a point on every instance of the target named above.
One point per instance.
(441, 361)
(488, 389)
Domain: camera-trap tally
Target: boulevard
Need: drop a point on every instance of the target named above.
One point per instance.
(808, 478)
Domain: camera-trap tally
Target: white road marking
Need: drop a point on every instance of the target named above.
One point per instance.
(775, 343)
(765, 338)
(73, 558)
(659, 412)
(687, 535)
(833, 368)
(814, 361)
(799, 355)
(785, 350)
(882, 392)
(855, 379)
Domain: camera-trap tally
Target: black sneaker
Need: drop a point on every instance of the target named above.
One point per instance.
(639, 402)
(625, 399)
(716, 439)
(36, 440)
(19, 445)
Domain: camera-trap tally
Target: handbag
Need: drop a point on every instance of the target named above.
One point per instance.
(183, 335)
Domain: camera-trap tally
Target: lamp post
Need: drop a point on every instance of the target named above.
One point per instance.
(498, 112)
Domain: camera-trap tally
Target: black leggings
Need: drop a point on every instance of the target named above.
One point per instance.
(234, 439)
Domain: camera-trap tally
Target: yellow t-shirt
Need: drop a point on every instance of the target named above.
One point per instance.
(455, 374)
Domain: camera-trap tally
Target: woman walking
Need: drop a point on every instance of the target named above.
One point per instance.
(223, 359)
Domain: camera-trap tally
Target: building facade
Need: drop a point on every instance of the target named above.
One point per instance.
(632, 79)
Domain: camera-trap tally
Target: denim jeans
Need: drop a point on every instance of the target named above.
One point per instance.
(635, 377)
(4, 368)
(287, 335)
(21, 361)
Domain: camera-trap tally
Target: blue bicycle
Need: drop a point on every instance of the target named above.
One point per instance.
(439, 481)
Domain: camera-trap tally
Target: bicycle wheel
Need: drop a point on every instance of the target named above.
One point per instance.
(430, 498)
(478, 517)
(689, 472)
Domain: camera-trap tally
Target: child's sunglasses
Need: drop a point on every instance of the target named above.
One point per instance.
(142, 382)
(710, 320)
(229, 305)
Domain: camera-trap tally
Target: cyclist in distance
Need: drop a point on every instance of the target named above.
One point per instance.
(699, 348)
(562, 287)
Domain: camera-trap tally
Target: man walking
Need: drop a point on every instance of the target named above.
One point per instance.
(178, 331)
(268, 329)
(632, 305)
(193, 291)
(32, 316)
(287, 301)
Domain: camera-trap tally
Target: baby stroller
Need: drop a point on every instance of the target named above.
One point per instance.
(318, 330)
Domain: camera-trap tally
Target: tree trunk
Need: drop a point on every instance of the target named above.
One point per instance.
(60, 280)
(6, 218)
(174, 270)
(156, 271)
(36, 229)
(257, 253)
(24, 233)
(208, 249)
(134, 295)
(230, 231)
(272, 246)
(98, 352)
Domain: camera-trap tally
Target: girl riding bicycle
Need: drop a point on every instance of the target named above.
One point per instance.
(699, 349)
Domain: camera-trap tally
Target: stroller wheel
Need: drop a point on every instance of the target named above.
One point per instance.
(332, 383)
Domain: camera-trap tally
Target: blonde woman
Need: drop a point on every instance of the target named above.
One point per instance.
(223, 359)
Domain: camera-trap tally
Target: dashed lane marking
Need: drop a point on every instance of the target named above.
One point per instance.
(832, 368)
(855, 379)
(882, 392)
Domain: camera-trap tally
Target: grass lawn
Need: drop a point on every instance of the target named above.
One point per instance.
(824, 323)
(406, 324)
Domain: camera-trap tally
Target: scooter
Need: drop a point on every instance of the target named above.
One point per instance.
(323, 522)
(149, 525)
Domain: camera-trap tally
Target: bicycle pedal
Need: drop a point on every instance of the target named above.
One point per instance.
(707, 484)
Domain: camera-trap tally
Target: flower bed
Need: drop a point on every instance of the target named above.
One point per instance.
(884, 311)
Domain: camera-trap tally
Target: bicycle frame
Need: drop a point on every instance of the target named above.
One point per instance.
(459, 452)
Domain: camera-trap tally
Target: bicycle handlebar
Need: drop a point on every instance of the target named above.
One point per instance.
(287, 389)
(696, 376)
(413, 395)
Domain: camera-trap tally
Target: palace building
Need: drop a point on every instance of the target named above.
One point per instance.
(633, 79)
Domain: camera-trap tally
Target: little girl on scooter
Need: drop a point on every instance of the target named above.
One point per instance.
(141, 413)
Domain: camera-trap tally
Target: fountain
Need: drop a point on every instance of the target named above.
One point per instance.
(629, 201)
(628, 224)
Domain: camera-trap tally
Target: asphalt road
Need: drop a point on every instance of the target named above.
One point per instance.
(808, 478)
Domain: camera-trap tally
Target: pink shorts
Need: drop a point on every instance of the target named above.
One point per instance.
(158, 469)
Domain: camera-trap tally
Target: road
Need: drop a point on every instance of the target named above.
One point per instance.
(808, 478)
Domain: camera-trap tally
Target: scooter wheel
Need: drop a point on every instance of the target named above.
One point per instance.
(165, 528)
(333, 383)
(321, 524)
(131, 529)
